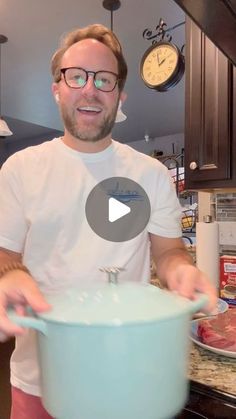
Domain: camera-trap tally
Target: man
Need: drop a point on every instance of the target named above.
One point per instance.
(46, 242)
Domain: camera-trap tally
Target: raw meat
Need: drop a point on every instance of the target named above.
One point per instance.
(219, 331)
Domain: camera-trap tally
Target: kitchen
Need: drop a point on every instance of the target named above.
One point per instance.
(218, 183)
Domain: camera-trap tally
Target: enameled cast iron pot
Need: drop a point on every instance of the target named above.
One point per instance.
(114, 351)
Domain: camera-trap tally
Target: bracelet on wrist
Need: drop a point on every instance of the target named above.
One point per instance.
(12, 266)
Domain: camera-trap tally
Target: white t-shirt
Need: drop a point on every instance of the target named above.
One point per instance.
(42, 216)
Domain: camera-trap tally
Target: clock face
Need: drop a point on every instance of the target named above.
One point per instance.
(159, 64)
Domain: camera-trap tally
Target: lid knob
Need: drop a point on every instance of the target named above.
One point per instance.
(112, 273)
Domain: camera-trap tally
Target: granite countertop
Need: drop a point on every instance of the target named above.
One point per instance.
(209, 368)
(213, 370)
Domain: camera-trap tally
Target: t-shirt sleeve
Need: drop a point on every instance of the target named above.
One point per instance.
(13, 225)
(165, 219)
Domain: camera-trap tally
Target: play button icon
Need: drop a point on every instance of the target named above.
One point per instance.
(117, 209)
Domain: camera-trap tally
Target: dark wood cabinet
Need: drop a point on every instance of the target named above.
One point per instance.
(210, 132)
(5, 389)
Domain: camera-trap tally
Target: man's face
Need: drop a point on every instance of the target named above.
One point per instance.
(88, 113)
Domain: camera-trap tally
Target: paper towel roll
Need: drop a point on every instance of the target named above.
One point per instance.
(207, 250)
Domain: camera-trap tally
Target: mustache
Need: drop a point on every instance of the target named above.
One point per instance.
(89, 102)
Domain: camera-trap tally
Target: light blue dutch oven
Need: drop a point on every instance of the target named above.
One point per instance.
(114, 351)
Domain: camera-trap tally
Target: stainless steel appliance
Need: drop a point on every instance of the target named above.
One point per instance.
(206, 402)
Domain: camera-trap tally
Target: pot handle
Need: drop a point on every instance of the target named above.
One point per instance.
(199, 303)
(27, 321)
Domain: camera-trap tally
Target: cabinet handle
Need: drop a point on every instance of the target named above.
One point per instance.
(193, 165)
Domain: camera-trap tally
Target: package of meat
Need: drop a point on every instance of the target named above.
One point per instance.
(219, 331)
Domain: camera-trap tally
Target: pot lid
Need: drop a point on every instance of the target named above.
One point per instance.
(116, 304)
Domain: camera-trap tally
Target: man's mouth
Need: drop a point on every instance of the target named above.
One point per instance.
(89, 110)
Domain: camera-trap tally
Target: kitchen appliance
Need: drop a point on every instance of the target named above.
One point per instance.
(112, 350)
(208, 403)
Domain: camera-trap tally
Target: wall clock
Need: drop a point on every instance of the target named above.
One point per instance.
(162, 66)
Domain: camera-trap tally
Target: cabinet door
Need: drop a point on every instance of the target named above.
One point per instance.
(209, 113)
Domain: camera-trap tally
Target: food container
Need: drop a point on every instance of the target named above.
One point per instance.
(228, 279)
(114, 351)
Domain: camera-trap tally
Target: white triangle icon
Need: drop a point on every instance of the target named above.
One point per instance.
(117, 210)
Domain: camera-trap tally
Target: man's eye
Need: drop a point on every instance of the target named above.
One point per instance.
(79, 80)
(99, 83)
(103, 82)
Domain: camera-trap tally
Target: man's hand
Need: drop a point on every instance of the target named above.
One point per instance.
(18, 289)
(175, 269)
(188, 281)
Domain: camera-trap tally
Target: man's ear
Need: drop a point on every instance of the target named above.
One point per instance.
(57, 97)
(55, 92)
(120, 116)
(123, 97)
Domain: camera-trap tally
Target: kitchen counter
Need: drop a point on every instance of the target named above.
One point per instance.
(216, 371)
(206, 367)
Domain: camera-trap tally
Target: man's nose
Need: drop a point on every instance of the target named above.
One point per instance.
(89, 87)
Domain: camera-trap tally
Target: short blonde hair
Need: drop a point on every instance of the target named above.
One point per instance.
(101, 34)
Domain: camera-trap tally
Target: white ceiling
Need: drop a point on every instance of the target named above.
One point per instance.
(33, 29)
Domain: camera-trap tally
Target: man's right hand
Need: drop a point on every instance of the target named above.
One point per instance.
(18, 290)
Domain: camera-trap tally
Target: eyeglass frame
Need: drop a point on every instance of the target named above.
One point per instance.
(88, 73)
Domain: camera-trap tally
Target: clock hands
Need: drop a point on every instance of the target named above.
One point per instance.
(158, 59)
(165, 58)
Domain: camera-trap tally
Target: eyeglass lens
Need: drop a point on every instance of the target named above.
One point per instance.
(103, 80)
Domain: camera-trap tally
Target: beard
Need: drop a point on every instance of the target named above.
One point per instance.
(88, 133)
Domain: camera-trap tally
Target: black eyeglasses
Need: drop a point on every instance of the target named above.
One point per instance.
(76, 78)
